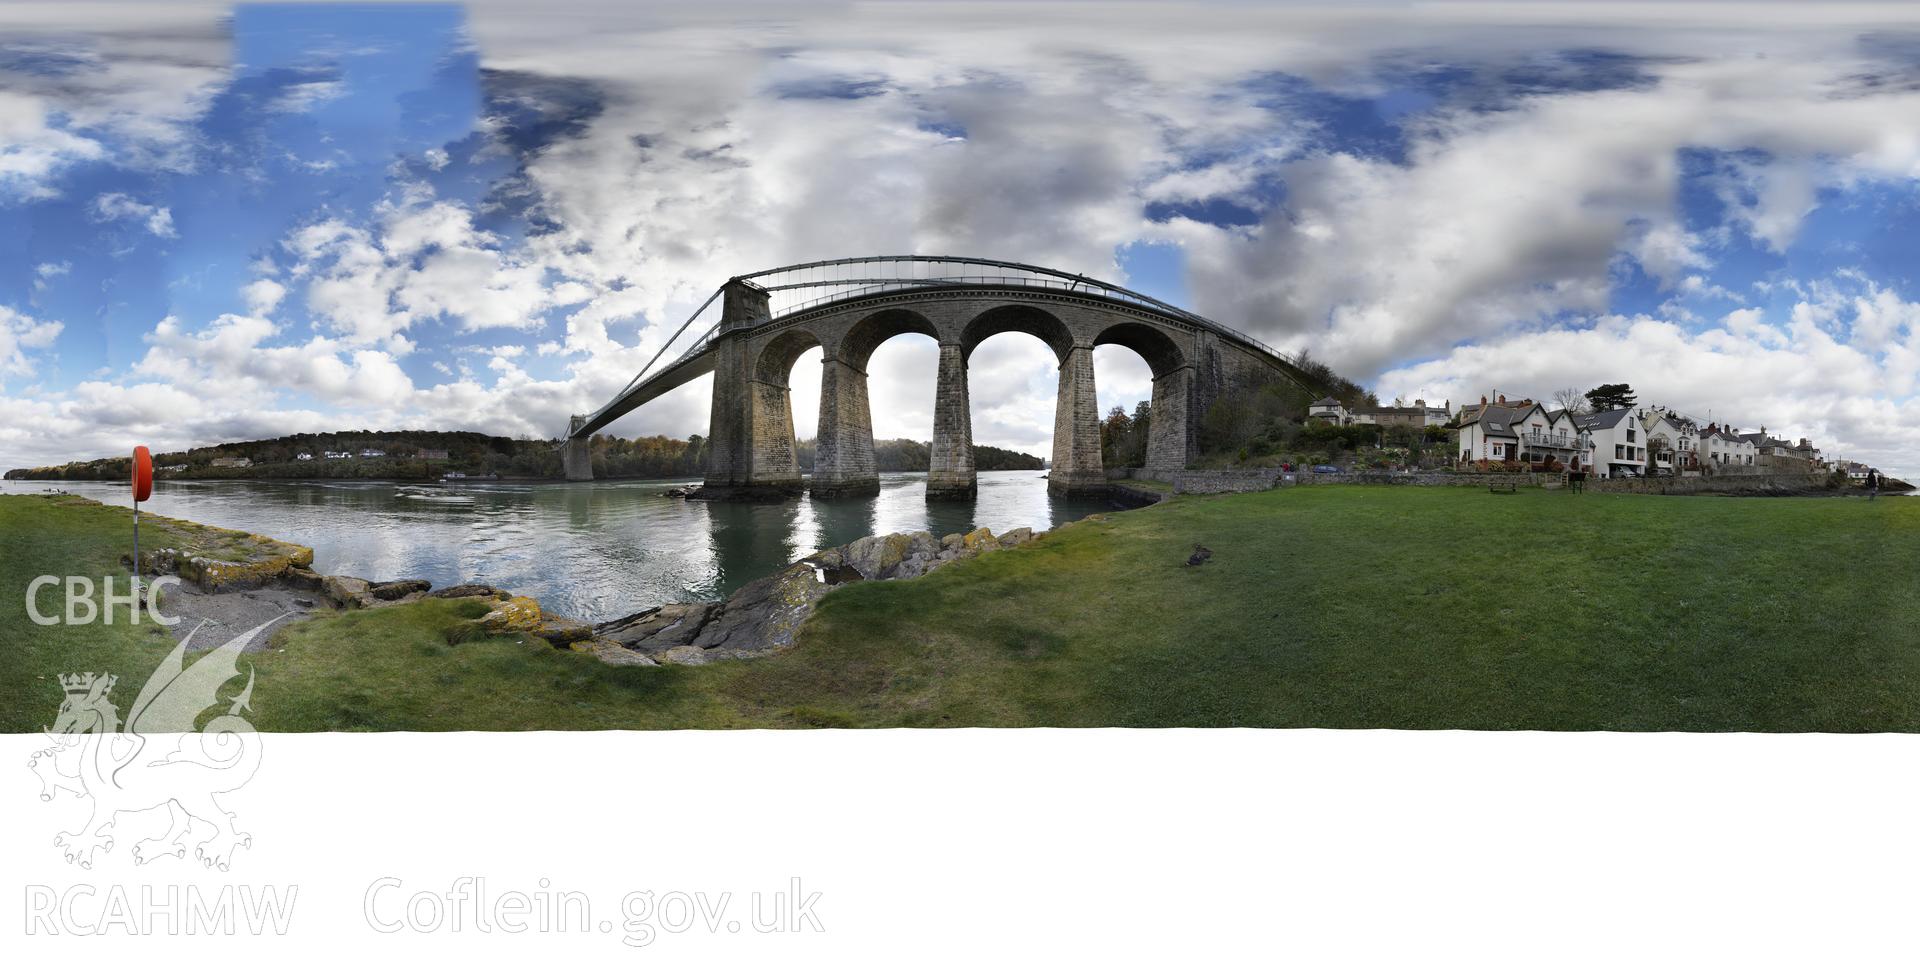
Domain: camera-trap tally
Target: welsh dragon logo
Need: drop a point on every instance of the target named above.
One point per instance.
(158, 760)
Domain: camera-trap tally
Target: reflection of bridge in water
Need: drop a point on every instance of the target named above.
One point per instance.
(849, 307)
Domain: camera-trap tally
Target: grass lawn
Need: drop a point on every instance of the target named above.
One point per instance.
(1321, 607)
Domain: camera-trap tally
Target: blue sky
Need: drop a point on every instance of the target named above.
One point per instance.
(239, 221)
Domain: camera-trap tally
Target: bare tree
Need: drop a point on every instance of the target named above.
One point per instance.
(1572, 399)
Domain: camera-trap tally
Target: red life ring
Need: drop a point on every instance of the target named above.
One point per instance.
(142, 474)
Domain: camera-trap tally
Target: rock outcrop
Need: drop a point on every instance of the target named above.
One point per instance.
(398, 589)
(766, 615)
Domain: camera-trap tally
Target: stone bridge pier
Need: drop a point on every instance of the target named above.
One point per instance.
(576, 455)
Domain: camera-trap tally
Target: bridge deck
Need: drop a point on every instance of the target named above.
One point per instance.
(676, 374)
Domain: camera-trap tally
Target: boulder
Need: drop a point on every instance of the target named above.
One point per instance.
(979, 541)
(1016, 537)
(895, 556)
(348, 592)
(302, 578)
(658, 629)
(684, 656)
(766, 614)
(612, 654)
(395, 589)
(514, 613)
(562, 631)
(470, 590)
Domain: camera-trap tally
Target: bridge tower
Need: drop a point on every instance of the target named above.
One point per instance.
(577, 454)
(751, 449)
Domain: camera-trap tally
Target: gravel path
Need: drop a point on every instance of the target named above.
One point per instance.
(215, 618)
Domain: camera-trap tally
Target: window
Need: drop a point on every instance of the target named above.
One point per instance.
(1619, 452)
(1630, 436)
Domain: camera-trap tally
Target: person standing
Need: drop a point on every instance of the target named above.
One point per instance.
(1873, 484)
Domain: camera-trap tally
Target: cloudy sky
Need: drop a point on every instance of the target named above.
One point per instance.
(227, 222)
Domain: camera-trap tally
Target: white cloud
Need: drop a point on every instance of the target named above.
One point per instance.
(18, 334)
(32, 151)
(118, 206)
(423, 259)
(263, 295)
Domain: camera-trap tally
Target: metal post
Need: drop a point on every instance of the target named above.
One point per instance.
(136, 554)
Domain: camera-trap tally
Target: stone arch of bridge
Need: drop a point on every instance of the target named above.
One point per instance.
(857, 345)
(1170, 441)
(1017, 318)
(1075, 467)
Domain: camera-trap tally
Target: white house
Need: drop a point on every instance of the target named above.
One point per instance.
(1328, 409)
(1529, 434)
(371, 452)
(303, 456)
(1619, 443)
(339, 455)
(1673, 441)
(1721, 445)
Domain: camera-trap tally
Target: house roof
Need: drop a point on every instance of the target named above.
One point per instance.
(1498, 421)
(1603, 419)
(1326, 402)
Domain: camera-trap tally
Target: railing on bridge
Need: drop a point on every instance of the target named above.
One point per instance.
(848, 279)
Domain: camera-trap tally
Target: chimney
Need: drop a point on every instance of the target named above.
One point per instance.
(1483, 399)
(1422, 404)
(1503, 398)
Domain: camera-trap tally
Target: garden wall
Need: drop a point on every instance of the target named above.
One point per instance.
(1242, 481)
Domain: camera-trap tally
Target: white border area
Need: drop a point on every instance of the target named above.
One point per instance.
(1069, 843)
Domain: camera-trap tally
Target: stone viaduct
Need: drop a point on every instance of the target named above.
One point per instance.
(959, 302)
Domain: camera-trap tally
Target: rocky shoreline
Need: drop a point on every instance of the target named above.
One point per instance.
(760, 618)
(765, 615)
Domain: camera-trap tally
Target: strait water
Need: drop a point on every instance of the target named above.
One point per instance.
(594, 551)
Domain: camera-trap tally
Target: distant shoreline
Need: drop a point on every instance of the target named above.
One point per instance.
(414, 481)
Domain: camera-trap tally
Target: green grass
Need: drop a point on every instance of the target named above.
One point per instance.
(1321, 607)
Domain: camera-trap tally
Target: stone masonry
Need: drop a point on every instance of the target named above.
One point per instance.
(751, 430)
(843, 453)
(950, 474)
(577, 454)
(1076, 429)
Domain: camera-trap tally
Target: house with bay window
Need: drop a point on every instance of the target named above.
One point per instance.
(1520, 434)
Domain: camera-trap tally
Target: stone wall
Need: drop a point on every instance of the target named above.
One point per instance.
(1242, 481)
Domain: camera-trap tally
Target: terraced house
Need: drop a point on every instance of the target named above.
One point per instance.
(1721, 445)
(1673, 442)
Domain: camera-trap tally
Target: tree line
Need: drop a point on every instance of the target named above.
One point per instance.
(474, 454)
